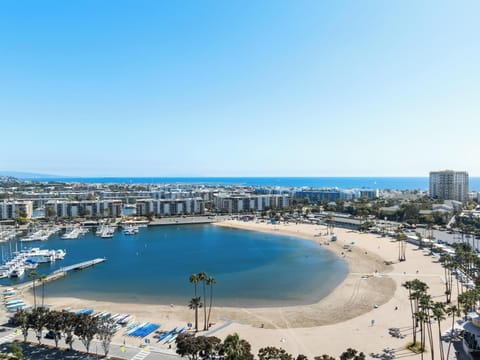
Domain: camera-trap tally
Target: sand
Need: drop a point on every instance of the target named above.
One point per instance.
(342, 319)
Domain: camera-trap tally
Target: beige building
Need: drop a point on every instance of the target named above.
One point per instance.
(449, 185)
(11, 209)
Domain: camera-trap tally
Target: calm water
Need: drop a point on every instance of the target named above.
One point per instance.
(397, 183)
(251, 268)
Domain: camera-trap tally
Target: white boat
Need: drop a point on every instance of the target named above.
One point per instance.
(130, 230)
(17, 271)
(41, 256)
(107, 232)
(60, 254)
(72, 233)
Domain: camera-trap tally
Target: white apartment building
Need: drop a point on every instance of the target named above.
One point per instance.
(237, 203)
(449, 185)
(67, 208)
(167, 207)
(11, 209)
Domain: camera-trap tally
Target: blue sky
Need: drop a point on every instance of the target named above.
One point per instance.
(239, 88)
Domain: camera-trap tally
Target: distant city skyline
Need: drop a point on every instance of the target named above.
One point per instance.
(227, 89)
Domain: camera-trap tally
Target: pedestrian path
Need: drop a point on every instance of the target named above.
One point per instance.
(141, 355)
(228, 323)
(7, 338)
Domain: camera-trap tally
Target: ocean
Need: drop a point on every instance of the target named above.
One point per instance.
(250, 268)
(394, 183)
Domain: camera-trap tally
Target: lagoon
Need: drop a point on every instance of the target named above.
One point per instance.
(250, 268)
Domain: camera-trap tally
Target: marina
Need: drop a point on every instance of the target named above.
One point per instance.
(28, 259)
(240, 260)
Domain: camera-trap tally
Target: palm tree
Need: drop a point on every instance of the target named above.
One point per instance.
(438, 311)
(194, 280)
(451, 310)
(409, 285)
(194, 304)
(235, 348)
(42, 280)
(33, 274)
(402, 245)
(425, 307)
(210, 282)
(203, 278)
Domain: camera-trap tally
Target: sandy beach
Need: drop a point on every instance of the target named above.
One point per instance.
(371, 291)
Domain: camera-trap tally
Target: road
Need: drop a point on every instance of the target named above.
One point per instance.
(8, 335)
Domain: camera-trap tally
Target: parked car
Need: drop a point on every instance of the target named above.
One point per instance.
(51, 335)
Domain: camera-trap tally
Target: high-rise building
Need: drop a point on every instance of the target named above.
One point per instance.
(449, 185)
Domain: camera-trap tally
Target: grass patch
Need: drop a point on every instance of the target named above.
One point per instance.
(415, 347)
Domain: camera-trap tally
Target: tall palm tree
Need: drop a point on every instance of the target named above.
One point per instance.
(203, 278)
(194, 304)
(438, 310)
(42, 280)
(33, 274)
(451, 310)
(402, 245)
(194, 280)
(210, 282)
(425, 307)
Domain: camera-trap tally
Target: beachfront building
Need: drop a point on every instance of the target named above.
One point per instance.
(168, 207)
(83, 208)
(238, 203)
(449, 185)
(334, 194)
(12, 209)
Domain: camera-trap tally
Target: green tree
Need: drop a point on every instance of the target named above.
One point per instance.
(17, 351)
(54, 323)
(273, 353)
(324, 357)
(352, 354)
(20, 319)
(105, 333)
(188, 345)
(38, 319)
(69, 323)
(235, 348)
(86, 328)
(194, 304)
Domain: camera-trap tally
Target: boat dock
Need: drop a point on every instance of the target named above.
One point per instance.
(79, 266)
(57, 274)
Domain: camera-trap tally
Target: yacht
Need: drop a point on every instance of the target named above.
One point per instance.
(17, 271)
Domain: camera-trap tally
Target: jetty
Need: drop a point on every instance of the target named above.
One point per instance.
(57, 274)
(80, 266)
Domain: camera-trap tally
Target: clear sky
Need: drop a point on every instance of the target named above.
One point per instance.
(239, 88)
